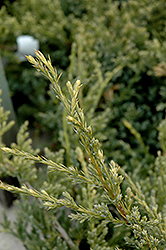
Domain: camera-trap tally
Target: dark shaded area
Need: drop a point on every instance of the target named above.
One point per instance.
(5, 2)
(84, 245)
(6, 197)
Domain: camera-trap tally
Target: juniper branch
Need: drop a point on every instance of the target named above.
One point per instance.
(99, 173)
(76, 117)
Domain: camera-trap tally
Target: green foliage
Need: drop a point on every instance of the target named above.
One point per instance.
(96, 237)
(97, 195)
(25, 169)
(117, 49)
(102, 37)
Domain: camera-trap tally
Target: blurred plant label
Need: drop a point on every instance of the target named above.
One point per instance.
(26, 45)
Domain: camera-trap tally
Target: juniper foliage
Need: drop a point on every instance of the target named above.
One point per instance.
(107, 195)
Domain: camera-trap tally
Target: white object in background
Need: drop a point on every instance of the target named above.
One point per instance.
(26, 45)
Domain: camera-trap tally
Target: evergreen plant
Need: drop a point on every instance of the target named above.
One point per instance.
(108, 210)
